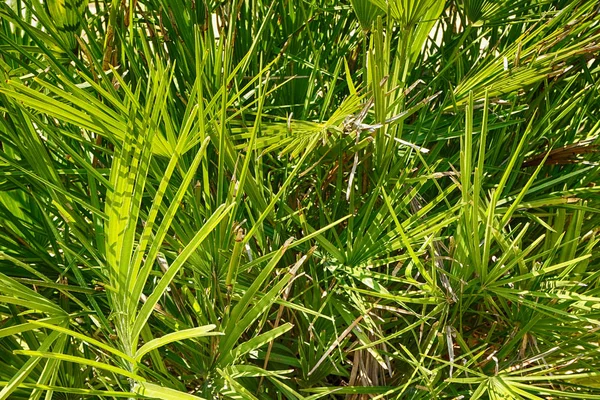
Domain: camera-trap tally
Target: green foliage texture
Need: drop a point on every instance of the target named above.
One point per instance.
(299, 199)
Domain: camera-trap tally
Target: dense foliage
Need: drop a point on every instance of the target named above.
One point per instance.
(299, 199)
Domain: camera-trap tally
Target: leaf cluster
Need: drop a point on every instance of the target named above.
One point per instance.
(367, 199)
